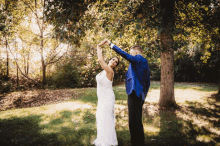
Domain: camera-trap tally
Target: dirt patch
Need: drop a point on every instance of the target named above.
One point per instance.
(34, 98)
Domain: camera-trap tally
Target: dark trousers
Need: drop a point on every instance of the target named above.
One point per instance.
(135, 119)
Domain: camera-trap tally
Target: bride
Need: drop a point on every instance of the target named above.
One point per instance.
(105, 113)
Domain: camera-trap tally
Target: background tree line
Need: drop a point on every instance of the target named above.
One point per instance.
(51, 43)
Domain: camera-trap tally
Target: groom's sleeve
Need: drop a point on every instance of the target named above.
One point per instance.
(125, 55)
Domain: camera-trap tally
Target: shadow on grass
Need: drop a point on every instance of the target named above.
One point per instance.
(173, 129)
(123, 137)
(207, 112)
(163, 127)
(30, 130)
(197, 124)
(169, 133)
(176, 131)
(65, 130)
(25, 131)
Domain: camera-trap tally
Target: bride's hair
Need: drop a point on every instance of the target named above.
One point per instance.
(114, 57)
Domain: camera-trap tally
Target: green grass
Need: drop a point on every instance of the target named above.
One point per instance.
(197, 86)
(73, 122)
(193, 86)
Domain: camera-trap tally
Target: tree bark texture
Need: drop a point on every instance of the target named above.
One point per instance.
(167, 98)
(219, 82)
(218, 71)
(44, 75)
(17, 78)
(44, 65)
(28, 63)
(17, 65)
(7, 63)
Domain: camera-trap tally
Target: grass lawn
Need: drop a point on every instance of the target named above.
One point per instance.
(72, 122)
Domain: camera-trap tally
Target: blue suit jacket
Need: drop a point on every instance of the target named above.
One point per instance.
(137, 77)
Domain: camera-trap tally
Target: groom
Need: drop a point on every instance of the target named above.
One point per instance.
(137, 80)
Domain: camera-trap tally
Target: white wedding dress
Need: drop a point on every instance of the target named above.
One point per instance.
(105, 113)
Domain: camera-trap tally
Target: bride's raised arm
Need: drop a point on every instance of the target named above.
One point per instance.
(104, 66)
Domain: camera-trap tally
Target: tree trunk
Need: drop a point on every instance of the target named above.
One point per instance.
(167, 98)
(7, 63)
(219, 81)
(17, 78)
(43, 65)
(25, 71)
(17, 66)
(42, 49)
(44, 75)
(218, 71)
(28, 62)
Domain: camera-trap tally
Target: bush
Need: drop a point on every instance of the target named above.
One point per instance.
(190, 68)
(78, 72)
(5, 86)
(66, 75)
(154, 71)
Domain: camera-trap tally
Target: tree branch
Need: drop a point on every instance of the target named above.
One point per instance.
(30, 31)
(35, 13)
(57, 59)
(54, 56)
(50, 62)
(18, 65)
(30, 43)
(53, 51)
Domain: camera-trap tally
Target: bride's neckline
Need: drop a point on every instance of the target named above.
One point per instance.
(101, 74)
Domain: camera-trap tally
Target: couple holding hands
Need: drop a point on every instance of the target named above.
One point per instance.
(137, 80)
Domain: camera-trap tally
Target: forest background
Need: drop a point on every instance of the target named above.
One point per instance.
(52, 43)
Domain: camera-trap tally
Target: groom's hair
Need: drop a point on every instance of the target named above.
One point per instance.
(114, 57)
(137, 48)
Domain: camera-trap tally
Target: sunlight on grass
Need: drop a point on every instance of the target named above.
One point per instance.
(204, 138)
(183, 92)
(197, 86)
(64, 121)
(151, 130)
(121, 102)
(73, 122)
(48, 109)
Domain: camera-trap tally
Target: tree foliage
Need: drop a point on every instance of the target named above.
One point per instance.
(189, 28)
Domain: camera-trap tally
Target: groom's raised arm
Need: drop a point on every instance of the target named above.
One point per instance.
(124, 54)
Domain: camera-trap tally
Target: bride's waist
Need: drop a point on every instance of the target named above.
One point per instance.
(106, 92)
(104, 89)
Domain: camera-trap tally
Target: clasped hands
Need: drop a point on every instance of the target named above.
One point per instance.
(104, 42)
